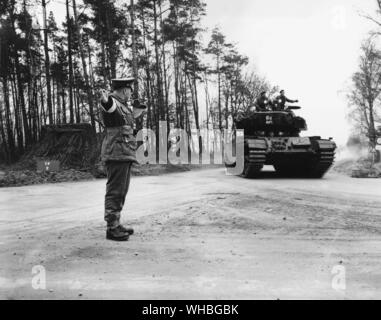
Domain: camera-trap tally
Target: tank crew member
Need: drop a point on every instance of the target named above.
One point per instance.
(263, 102)
(118, 152)
(280, 101)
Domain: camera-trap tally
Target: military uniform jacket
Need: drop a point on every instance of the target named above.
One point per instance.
(119, 143)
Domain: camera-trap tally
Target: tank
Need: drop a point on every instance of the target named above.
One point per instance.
(273, 138)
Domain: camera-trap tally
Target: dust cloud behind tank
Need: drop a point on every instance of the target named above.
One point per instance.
(273, 138)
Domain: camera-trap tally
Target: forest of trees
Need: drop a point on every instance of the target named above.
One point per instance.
(51, 73)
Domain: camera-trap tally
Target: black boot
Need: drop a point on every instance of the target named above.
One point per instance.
(117, 234)
(130, 231)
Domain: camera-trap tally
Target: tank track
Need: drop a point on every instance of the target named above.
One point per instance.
(325, 159)
(255, 157)
(315, 168)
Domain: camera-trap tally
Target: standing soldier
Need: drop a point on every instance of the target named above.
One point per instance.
(118, 152)
(280, 101)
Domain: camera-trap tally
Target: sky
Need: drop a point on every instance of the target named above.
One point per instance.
(309, 48)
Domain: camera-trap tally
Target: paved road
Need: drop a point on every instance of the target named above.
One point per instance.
(199, 234)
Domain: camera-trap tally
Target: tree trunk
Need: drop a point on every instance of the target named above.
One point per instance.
(372, 129)
(59, 107)
(177, 93)
(70, 60)
(86, 76)
(47, 66)
(148, 76)
(8, 120)
(158, 71)
(134, 58)
(21, 100)
(17, 116)
(2, 132)
(64, 119)
(165, 73)
(111, 46)
(103, 53)
(219, 92)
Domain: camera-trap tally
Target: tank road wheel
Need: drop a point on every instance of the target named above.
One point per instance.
(255, 157)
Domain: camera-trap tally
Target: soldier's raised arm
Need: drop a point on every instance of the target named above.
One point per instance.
(291, 101)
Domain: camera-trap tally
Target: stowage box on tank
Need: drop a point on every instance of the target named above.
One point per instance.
(273, 138)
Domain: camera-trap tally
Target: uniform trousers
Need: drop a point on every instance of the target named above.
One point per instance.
(118, 182)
